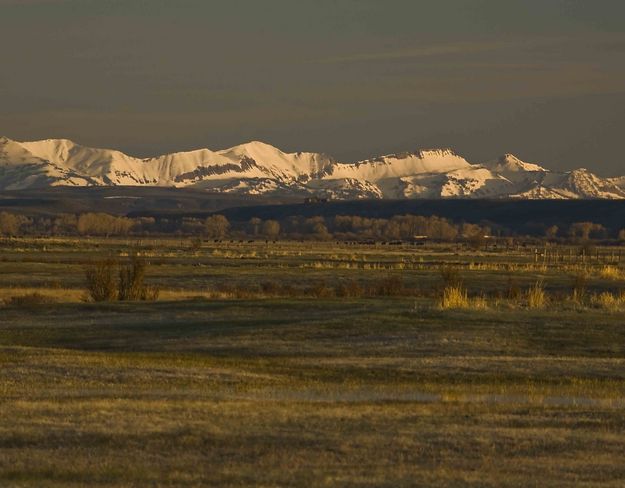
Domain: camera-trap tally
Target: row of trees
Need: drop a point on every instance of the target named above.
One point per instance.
(345, 227)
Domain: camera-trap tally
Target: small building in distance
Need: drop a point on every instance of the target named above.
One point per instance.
(419, 240)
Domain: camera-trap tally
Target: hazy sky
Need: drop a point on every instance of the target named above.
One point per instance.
(544, 79)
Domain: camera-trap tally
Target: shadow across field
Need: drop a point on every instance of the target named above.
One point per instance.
(309, 392)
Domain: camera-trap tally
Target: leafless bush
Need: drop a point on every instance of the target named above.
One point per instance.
(102, 285)
(321, 290)
(131, 285)
(450, 277)
(350, 289)
(270, 288)
(100, 280)
(513, 291)
(387, 287)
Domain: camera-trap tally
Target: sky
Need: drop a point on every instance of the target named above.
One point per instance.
(542, 79)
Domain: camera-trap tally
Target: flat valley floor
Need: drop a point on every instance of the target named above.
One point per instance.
(256, 367)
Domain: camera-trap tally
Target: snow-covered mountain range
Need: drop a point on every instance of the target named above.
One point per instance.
(258, 168)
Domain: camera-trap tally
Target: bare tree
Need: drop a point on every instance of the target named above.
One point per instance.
(271, 228)
(216, 226)
(10, 224)
(255, 224)
(552, 232)
(584, 230)
(103, 224)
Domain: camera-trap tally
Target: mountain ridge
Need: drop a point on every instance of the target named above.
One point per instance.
(257, 168)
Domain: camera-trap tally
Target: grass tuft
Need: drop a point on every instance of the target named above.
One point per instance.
(609, 301)
(454, 297)
(536, 296)
(580, 284)
(610, 273)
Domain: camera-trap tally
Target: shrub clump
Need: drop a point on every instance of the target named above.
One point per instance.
(100, 281)
(350, 289)
(131, 284)
(450, 277)
(108, 280)
(388, 287)
(513, 291)
(580, 282)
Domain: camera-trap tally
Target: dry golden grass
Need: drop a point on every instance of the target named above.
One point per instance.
(479, 303)
(77, 295)
(537, 297)
(609, 301)
(240, 388)
(171, 295)
(60, 295)
(454, 296)
(610, 273)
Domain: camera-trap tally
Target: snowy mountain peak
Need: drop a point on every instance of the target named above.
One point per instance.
(436, 153)
(258, 151)
(510, 163)
(254, 147)
(54, 150)
(259, 168)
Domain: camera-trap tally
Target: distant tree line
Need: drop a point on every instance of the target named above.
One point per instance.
(341, 227)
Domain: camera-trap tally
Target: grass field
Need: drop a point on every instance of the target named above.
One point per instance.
(201, 390)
